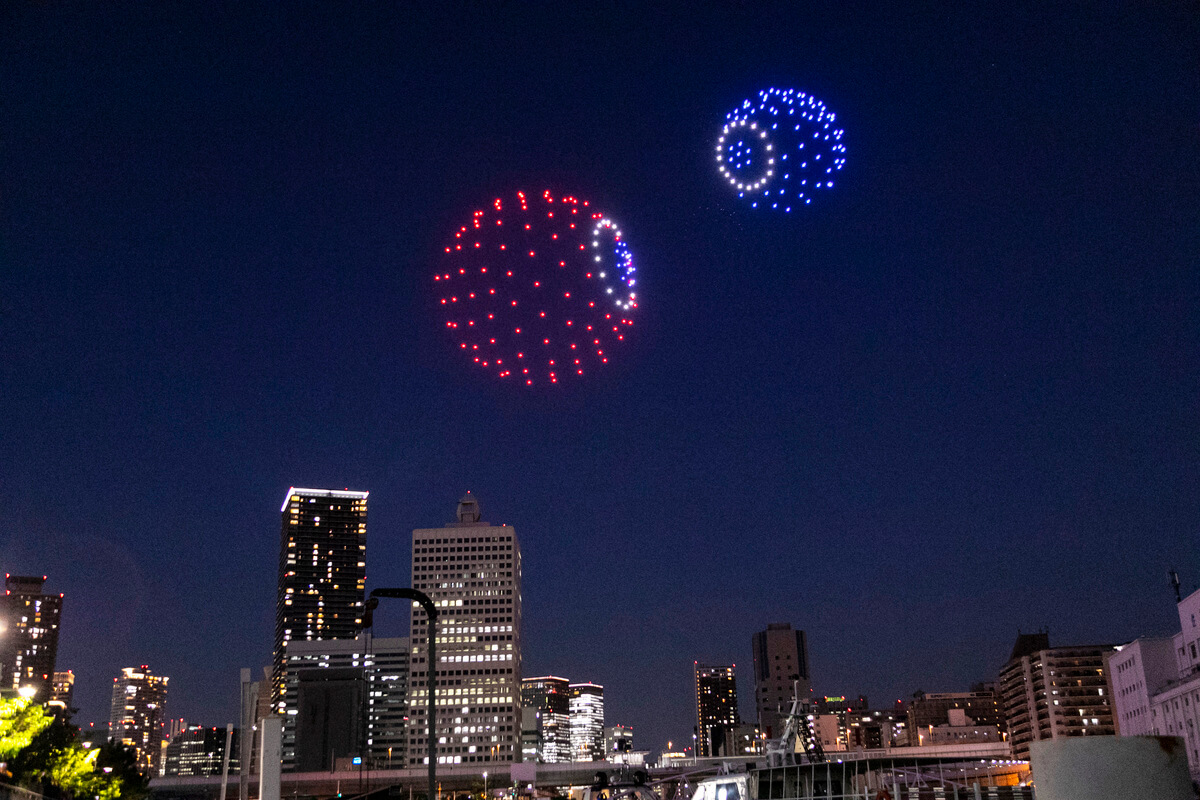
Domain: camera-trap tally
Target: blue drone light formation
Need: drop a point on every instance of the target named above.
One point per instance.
(780, 150)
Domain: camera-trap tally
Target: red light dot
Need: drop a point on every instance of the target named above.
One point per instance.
(543, 313)
(563, 264)
(501, 247)
(516, 330)
(566, 294)
(537, 284)
(492, 341)
(545, 341)
(443, 301)
(569, 322)
(491, 316)
(531, 254)
(520, 355)
(509, 273)
(580, 372)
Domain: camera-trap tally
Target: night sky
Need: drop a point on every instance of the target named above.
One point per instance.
(955, 397)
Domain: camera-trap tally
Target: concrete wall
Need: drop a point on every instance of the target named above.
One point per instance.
(1107, 767)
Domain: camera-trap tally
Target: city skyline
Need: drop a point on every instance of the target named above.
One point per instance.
(908, 419)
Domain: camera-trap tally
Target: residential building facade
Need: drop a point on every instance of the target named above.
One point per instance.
(716, 709)
(28, 636)
(1054, 692)
(322, 572)
(137, 714)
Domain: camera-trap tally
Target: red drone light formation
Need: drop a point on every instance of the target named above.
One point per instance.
(538, 289)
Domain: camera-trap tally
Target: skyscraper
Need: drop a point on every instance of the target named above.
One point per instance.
(138, 700)
(28, 635)
(322, 572)
(587, 722)
(780, 663)
(472, 572)
(549, 698)
(716, 709)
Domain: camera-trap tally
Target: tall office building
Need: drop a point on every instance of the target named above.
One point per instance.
(137, 715)
(472, 572)
(780, 670)
(587, 722)
(1053, 692)
(548, 699)
(322, 572)
(716, 710)
(197, 751)
(28, 635)
(374, 673)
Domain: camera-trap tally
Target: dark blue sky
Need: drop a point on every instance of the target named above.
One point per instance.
(956, 397)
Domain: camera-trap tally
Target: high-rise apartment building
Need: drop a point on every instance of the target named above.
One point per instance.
(780, 671)
(137, 714)
(378, 728)
(62, 690)
(1053, 692)
(587, 722)
(472, 572)
(548, 701)
(322, 572)
(28, 635)
(716, 709)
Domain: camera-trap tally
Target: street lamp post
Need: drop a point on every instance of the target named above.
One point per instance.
(485, 784)
(430, 675)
